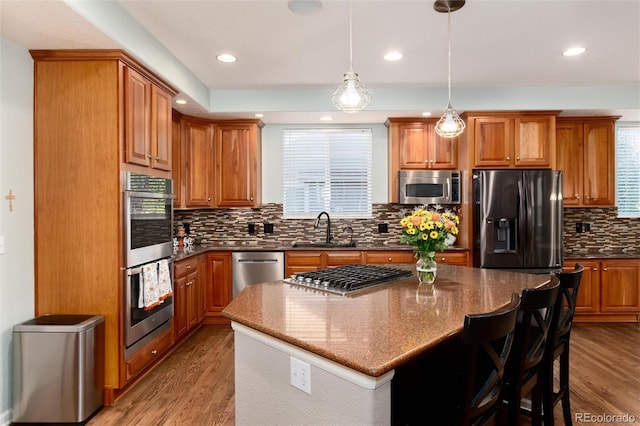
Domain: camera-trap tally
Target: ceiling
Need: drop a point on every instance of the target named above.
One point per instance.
(505, 54)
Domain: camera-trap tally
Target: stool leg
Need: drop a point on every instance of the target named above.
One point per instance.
(564, 386)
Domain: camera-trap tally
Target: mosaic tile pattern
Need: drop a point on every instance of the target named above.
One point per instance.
(608, 234)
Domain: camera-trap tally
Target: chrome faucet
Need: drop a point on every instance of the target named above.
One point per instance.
(317, 222)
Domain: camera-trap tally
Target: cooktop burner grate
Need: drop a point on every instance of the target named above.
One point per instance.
(348, 278)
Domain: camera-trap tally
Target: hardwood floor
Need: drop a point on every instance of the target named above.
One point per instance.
(195, 384)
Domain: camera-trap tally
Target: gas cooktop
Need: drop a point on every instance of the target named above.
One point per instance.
(349, 278)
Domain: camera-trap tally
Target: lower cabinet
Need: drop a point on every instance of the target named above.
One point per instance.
(609, 290)
(305, 261)
(189, 294)
(218, 286)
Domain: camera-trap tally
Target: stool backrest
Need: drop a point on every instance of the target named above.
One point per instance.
(566, 302)
(488, 338)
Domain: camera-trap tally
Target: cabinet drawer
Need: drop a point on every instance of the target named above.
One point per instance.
(185, 267)
(337, 258)
(452, 258)
(304, 258)
(148, 354)
(392, 257)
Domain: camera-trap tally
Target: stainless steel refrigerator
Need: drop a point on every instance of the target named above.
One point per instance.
(518, 219)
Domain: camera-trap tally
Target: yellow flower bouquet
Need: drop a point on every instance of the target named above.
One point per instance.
(427, 229)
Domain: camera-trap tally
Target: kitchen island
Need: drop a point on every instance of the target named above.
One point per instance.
(343, 349)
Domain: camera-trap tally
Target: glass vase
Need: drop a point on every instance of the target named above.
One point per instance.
(427, 269)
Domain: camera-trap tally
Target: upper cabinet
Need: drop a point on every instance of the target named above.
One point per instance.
(414, 145)
(219, 164)
(147, 122)
(238, 164)
(511, 139)
(585, 154)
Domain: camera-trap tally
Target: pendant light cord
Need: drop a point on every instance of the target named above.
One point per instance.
(350, 39)
(449, 38)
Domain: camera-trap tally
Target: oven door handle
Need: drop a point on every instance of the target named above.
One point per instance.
(137, 194)
(134, 271)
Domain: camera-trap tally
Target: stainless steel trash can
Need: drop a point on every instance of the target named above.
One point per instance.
(58, 368)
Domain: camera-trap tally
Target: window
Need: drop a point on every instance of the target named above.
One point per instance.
(327, 170)
(628, 171)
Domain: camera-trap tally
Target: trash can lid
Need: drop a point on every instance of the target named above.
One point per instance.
(64, 323)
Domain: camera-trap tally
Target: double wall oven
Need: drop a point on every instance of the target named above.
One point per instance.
(148, 239)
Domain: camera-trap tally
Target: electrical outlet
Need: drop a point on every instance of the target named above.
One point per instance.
(268, 228)
(301, 375)
(578, 227)
(587, 227)
(251, 228)
(383, 228)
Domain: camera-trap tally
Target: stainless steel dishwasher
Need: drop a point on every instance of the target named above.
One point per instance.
(253, 267)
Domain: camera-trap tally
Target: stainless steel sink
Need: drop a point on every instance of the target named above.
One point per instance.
(302, 244)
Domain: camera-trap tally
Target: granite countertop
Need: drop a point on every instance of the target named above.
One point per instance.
(378, 329)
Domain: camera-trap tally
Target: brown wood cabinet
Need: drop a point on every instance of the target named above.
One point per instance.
(147, 122)
(80, 128)
(218, 291)
(414, 145)
(198, 164)
(148, 355)
(189, 295)
(511, 139)
(178, 170)
(585, 154)
(609, 290)
(238, 164)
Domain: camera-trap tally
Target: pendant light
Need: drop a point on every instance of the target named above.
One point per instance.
(351, 95)
(450, 124)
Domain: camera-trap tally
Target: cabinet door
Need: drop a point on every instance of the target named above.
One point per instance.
(414, 147)
(199, 164)
(302, 261)
(588, 299)
(569, 159)
(533, 137)
(192, 302)
(201, 288)
(161, 130)
(443, 152)
(492, 142)
(218, 282)
(599, 163)
(620, 286)
(180, 321)
(137, 104)
(236, 165)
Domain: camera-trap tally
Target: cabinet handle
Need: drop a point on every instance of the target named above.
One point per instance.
(250, 198)
(189, 283)
(153, 352)
(188, 266)
(390, 259)
(587, 197)
(577, 197)
(442, 260)
(148, 155)
(595, 269)
(605, 269)
(157, 158)
(508, 158)
(209, 199)
(518, 158)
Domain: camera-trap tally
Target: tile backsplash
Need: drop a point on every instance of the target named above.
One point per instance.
(607, 234)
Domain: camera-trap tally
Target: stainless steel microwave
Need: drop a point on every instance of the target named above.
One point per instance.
(429, 186)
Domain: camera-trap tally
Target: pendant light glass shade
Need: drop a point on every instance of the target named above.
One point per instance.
(450, 124)
(351, 95)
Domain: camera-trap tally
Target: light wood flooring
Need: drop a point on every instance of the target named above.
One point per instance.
(194, 385)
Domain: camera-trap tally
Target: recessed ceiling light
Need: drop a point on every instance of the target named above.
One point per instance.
(258, 115)
(181, 101)
(226, 57)
(304, 7)
(393, 56)
(426, 114)
(574, 51)
(326, 118)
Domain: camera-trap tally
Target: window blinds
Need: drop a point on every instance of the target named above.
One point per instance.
(628, 171)
(327, 170)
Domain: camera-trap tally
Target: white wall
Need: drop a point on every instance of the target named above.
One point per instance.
(272, 159)
(16, 174)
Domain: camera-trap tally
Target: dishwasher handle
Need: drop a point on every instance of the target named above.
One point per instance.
(258, 260)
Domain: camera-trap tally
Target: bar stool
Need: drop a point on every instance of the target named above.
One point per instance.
(461, 382)
(558, 347)
(523, 371)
